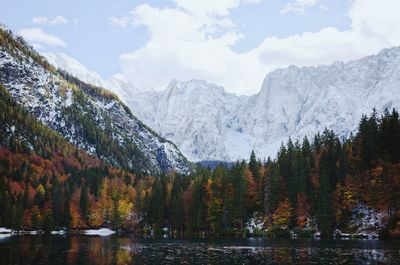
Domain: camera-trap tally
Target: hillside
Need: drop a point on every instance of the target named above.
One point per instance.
(89, 117)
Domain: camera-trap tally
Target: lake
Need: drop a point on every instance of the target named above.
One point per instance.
(59, 249)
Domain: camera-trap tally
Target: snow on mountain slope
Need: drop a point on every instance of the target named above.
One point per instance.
(74, 67)
(128, 92)
(207, 123)
(89, 117)
(195, 115)
(295, 102)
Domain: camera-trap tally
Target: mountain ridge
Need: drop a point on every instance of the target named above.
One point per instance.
(292, 102)
(88, 116)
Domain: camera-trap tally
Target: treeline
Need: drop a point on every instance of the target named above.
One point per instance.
(313, 184)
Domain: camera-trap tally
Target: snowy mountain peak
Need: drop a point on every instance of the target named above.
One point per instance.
(209, 124)
(74, 67)
(195, 87)
(389, 52)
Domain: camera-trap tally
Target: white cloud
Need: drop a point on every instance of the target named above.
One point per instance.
(42, 20)
(187, 42)
(298, 6)
(121, 22)
(38, 38)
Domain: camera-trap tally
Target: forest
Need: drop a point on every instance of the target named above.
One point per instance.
(312, 185)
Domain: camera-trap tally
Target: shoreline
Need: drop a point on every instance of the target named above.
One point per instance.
(105, 232)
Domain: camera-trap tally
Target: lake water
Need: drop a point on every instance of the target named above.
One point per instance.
(59, 249)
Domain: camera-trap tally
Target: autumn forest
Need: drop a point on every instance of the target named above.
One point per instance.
(312, 185)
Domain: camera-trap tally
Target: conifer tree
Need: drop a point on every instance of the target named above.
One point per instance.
(58, 203)
(84, 202)
(254, 166)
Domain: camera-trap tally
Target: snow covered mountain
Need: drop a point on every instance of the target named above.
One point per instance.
(75, 68)
(72, 66)
(295, 102)
(89, 117)
(207, 123)
(195, 115)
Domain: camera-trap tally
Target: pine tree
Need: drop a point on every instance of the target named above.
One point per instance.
(240, 187)
(58, 203)
(324, 203)
(48, 222)
(254, 166)
(197, 210)
(177, 206)
(156, 206)
(389, 136)
(368, 136)
(84, 202)
(19, 213)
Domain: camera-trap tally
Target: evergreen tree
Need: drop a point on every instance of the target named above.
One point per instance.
(254, 166)
(48, 222)
(19, 213)
(177, 206)
(58, 203)
(324, 207)
(84, 202)
(368, 135)
(240, 187)
(389, 136)
(156, 205)
(197, 210)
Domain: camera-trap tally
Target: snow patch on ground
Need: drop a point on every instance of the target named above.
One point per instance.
(68, 99)
(4, 230)
(367, 221)
(254, 224)
(99, 232)
(58, 232)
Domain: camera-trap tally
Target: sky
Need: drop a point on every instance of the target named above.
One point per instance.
(233, 43)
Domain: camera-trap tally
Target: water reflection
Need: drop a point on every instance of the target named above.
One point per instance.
(125, 250)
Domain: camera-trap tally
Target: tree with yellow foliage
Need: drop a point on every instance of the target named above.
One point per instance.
(282, 215)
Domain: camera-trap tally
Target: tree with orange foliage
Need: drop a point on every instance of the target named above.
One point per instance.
(302, 210)
(282, 215)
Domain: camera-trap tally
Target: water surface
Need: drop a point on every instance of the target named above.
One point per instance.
(58, 249)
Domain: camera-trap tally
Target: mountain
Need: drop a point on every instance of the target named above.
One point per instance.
(75, 68)
(89, 117)
(297, 102)
(207, 123)
(194, 114)
(22, 135)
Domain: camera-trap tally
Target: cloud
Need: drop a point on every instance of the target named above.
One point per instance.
(39, 38)
(192, 39)
(211, 7)
(298, 6)
(120, 22)
(42, 20)
(187, 42)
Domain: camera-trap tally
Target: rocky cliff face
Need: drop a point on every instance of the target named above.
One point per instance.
(210, 124)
